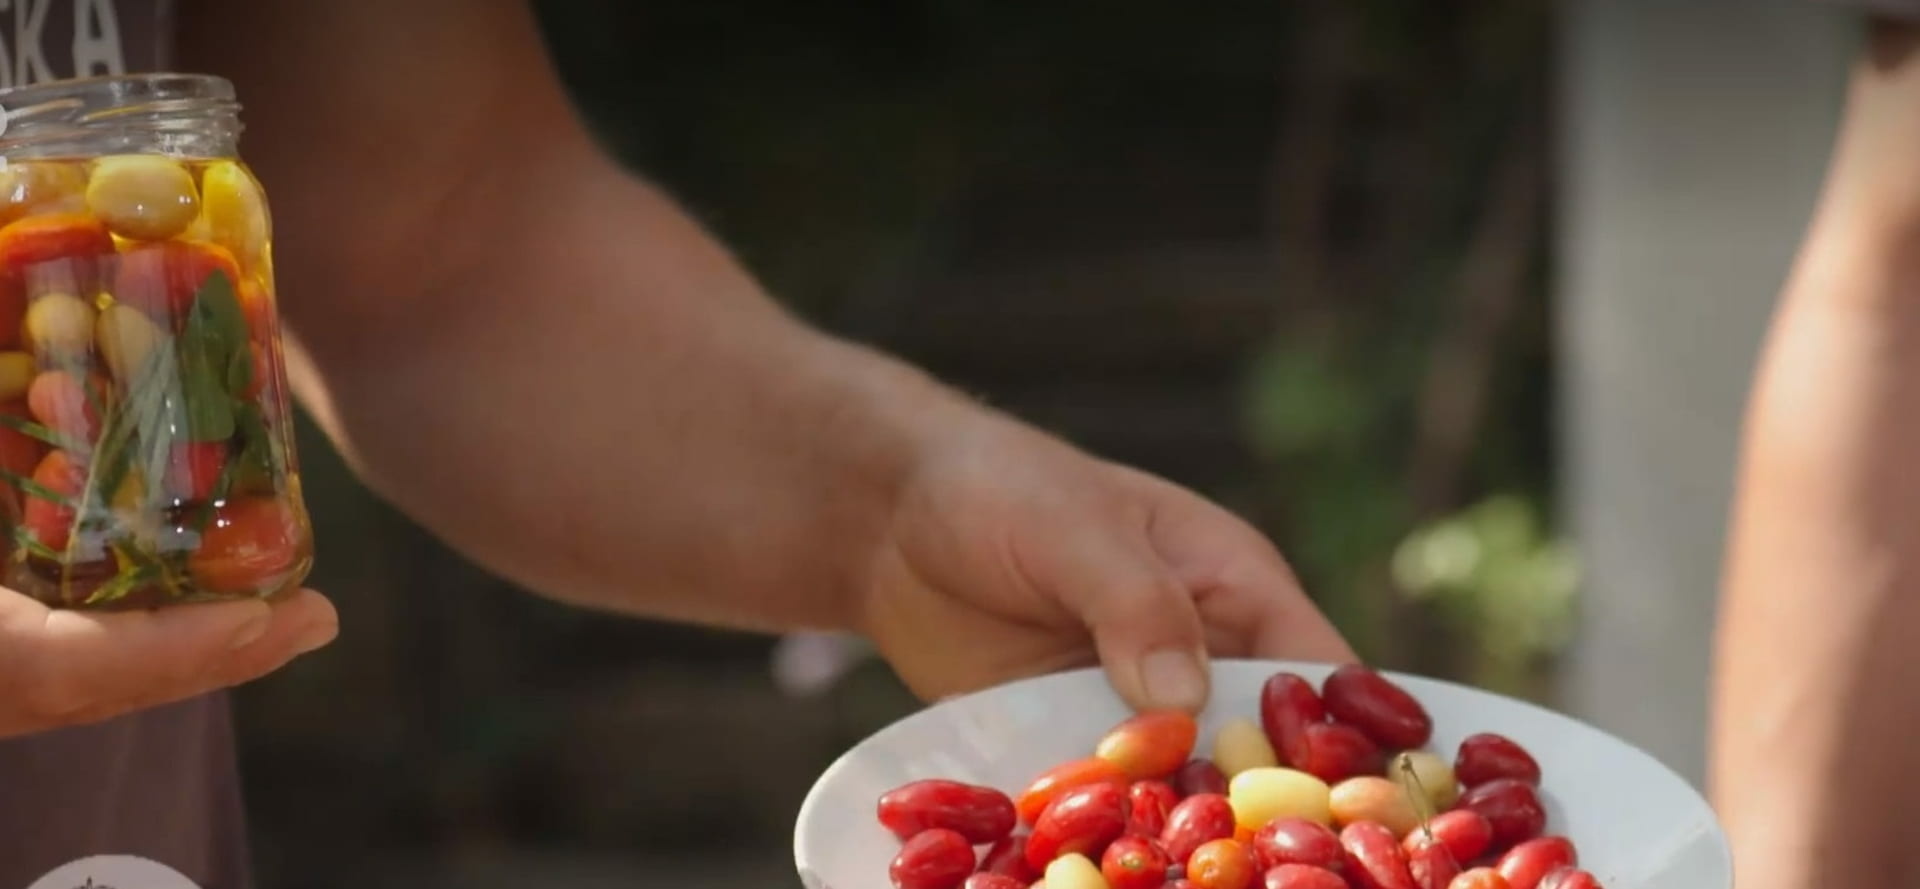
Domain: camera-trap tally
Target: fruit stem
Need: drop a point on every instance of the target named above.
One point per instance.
(1416, 792)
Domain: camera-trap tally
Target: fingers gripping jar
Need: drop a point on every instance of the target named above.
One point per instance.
(146, 447)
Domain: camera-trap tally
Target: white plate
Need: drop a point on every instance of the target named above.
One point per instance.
(1636, 823)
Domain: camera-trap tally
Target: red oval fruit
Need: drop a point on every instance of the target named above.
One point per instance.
(1480, 878)
(162, 279)
(1429, 861)
(1568, 878)
(1009, 857)
(981, 814)
(1200, 776)
(1288, 704)
(1370, 702)
(1062, 778)
(193, 471)
(984, 880)
(1083, 819)
(1297, 841)
(1150, 745)
(1151, 802)
(13, 308)
(1135, 862)
(1334, 752)
(1303, 876)
(1512, 809)
(1489, 757)
(1221, 864)
(1197, 820)
(49, 521)
(19, 452)
(1175, 883)
(58, 401)
(1525, 864)
(1464, 832)
(50, 236)
(251, 545)
(1374, 857)
(932, 859)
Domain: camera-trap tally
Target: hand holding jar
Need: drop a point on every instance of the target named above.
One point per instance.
(146, 449)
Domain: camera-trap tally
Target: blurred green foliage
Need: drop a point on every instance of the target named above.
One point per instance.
(1498, 576)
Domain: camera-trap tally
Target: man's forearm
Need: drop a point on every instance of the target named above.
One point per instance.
(612, 412)
(533, 353)
(1814, 708)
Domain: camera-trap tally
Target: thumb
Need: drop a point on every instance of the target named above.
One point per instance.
(1144, 622)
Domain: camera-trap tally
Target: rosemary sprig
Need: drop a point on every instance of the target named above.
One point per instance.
(38, 432)
(34, 488)
(28, 542)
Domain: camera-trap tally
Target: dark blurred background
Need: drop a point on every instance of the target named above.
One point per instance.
(1295, 255)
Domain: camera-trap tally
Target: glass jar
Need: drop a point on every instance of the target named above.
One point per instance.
(146, 443)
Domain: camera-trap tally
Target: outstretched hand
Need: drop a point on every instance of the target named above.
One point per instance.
(1012, 554)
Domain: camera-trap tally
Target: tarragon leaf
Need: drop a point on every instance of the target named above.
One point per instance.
(209, 408)
(215, 321)
(240, 373)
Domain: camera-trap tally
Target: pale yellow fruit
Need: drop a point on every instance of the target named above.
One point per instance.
(1074, 871)
(1370, 798)
(143, 196)
(1261, 795)
(1432, 774)
(27, 186)
(126, 338)
(234, 210)
(1240, 745)
(59, 325)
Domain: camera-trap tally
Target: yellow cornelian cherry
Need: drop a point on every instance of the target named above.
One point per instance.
(126, 338)
(143, 196)
(39, 186)
(234, 210)
(59, 324)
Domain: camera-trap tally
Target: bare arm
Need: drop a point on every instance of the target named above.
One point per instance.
(534, 352)
(1815, 713)
(549, 365)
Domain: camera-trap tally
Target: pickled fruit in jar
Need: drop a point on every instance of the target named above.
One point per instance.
(143, 196)
(30, 186)
(150, 458)
(234, 210)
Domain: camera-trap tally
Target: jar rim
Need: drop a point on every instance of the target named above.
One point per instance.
(165, 112)
(158, 85)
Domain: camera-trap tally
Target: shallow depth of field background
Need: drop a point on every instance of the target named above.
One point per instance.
(1454, 300)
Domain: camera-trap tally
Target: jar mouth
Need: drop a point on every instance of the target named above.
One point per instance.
(118, 88)
(164, 111)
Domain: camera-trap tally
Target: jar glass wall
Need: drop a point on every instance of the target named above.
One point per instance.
(146, 447)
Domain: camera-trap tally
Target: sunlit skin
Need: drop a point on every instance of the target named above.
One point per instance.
(1814, 712)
